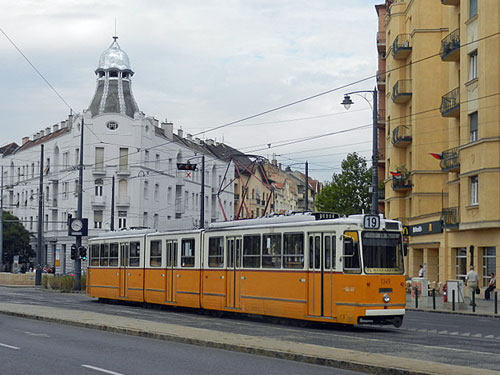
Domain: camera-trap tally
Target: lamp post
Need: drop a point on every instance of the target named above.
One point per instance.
(347, 104)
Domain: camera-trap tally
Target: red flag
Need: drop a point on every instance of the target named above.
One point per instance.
(395, 174)
(437, 156)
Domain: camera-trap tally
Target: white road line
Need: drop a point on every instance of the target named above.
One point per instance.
(36, 334)
(489, 337)
(9, 346)
(102, 370)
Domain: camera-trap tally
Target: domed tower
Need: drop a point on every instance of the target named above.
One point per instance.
(113, 93)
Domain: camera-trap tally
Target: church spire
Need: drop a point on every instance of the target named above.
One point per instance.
(114, 86)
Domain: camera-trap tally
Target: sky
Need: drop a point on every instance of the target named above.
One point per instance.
(202, 64)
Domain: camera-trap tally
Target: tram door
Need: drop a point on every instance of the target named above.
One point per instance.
(170, 271)
(124, 263)
(233, 247)
(321, 266)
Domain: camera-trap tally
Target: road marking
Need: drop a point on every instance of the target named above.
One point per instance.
(443, 332)
(489, 337)
(9, 346)
(433, 331)
(454, 333)
(478, 335)
(422, 330)
(465, 334)
(102, 370)
(36, 334)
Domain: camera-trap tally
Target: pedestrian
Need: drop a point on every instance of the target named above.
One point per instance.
(472, 280)
(491, 285)
(421, 271)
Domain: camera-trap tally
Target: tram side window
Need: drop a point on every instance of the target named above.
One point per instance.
(135, 250)
(113, 254)
(271, 251)
(216, 252)
(350, 258)
(94, 255)
(155, 255)
(330, 252)
(172, 253)
(104, 255)
(187, 252)
(251, 251)
(293, 250)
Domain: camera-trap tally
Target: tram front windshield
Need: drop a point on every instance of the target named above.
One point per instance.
(382, 252)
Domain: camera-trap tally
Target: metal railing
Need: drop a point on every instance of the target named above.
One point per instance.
(381, 38)
(401, 88)
(450, 160)
(450, 45)
(450, 217)
(401, 183)
(401, 134)
(401, 44)
(450, 103)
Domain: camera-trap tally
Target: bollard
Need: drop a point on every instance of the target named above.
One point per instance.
(434, 299)
(474, 300)
(496, 302)
(453, 300)
(416, 297)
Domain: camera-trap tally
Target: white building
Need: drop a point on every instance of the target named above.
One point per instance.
(119, 141)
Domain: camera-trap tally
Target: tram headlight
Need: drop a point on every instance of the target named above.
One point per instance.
(386, 298)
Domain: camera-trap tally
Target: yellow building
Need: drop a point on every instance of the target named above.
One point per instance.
(443, 98)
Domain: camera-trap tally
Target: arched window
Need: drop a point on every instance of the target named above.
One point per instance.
(98, 187)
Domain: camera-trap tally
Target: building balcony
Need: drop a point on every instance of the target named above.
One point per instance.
(450, 2)
(450, 104)
(123, 201)
(401, 91)
(401, 136)
(123, 170)
(381, 41)
(450, 217)
(450, 161)
(401, 184)
(99, 170)
(98, 201)
(381, 79)
(401, 47)
(450, 47)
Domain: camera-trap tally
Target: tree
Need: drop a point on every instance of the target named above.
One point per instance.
(348, 193)
(16, 240)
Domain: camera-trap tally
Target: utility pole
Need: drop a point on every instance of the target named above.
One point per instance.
(202, 203)
(39, 257)
(306, 205)
(374, 207)
(112, 224)
(78, 260)
(1, 227)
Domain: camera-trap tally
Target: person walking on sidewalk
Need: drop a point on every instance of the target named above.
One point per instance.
(491, 285)
(472, 281)
(421, 271)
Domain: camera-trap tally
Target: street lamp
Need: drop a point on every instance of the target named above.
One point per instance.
(347, 102)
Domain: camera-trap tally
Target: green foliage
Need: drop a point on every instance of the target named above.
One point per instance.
(348, 193)
(45, 281)
(15, 240)
(65, 284)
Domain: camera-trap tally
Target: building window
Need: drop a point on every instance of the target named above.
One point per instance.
(112, 125)
(77, 156)
(473, 65)
(75, 192)
(473, 127)
(98, 187)
(169, 194)
(157, 192)
(146, 158)
(489, 263)
(99, 159)
(97, 219)
(65, 190)
(146, 189)
(157, 161)
(155, 221)
(145, 219)
(461, 263)
(472, 8)
(122, 219)
(123, 159)
(474, 187)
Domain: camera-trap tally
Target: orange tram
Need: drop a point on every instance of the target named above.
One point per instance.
(314, 266)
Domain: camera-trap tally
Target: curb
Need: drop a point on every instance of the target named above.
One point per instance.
(248, 349)
(465, 313)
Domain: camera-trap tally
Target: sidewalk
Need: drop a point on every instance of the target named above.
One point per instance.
(309, 353)
(483, 307)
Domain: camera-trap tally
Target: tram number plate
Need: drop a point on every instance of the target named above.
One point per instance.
(371, 222)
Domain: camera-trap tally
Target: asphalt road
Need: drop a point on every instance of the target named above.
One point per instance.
(446, 338)
(34, 347)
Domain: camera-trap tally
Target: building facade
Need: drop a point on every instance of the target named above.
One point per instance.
(120, 142)
(443, 133)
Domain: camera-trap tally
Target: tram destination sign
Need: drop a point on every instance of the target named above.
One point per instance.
(430, 227)
(371, 222)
